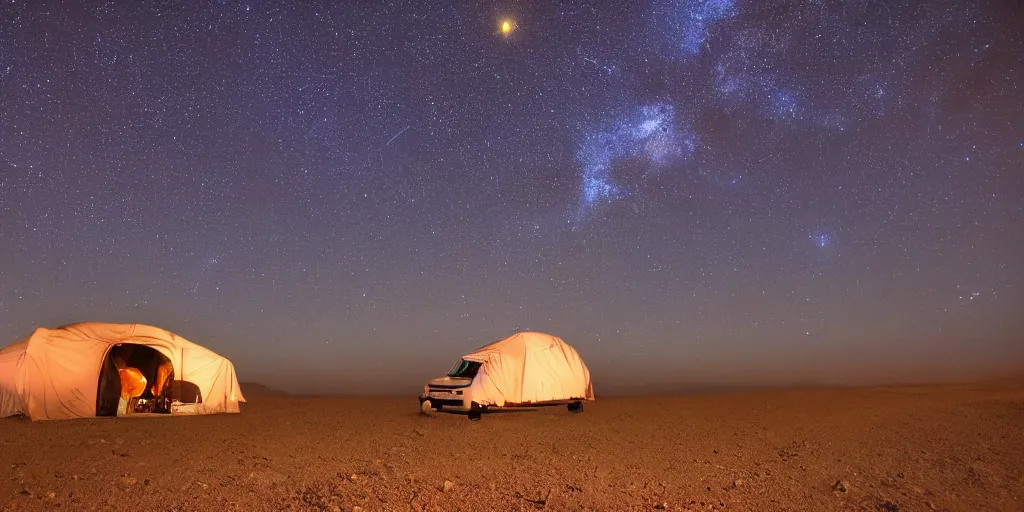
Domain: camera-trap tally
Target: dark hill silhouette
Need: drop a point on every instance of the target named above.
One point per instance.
(254, 389)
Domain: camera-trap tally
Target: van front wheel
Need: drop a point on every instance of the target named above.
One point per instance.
(474, 415)
(427, 408)
(575, 406)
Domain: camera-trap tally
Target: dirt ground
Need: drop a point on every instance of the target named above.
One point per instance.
(956, 448)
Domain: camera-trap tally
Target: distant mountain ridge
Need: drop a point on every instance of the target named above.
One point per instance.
(250, 389)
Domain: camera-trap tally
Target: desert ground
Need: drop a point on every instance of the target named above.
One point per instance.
(950, 447)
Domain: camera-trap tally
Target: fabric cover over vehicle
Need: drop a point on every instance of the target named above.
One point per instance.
(529, 367)
(54, 373)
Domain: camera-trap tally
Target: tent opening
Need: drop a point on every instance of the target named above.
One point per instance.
(134, 379)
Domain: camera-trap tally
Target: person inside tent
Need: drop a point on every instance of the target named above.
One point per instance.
(162, 385)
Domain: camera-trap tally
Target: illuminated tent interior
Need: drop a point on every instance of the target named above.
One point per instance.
(94, 369)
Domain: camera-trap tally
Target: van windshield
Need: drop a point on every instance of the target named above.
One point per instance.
(466, 369)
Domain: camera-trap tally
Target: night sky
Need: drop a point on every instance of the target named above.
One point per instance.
(345, 195)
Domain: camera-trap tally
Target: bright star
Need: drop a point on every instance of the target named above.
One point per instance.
(507, 26)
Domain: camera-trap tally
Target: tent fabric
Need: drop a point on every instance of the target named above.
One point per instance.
(529, 367)
(54, 373)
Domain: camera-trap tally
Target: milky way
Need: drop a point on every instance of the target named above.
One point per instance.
(682, 27)
(649, 133)
(328, 192)
(754, 70)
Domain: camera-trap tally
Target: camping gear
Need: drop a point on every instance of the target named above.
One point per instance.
(87, 369)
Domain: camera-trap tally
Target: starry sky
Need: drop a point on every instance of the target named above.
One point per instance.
(342, 196)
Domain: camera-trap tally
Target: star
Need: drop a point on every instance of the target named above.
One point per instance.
(506, 27)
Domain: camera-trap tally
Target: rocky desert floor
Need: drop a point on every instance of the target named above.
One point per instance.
(952, 447)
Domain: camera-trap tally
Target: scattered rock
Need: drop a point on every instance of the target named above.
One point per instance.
(661, 506)
(51, 495)
(840, 487)
(128, 480)
(201, 485)
(353, 477)
(887, 506)
(357, 509)
(447, 486)
(338, 509)
(737, 483)
(25, 492)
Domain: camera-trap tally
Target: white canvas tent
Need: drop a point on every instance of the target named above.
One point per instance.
(529, 368)
(56, 373)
